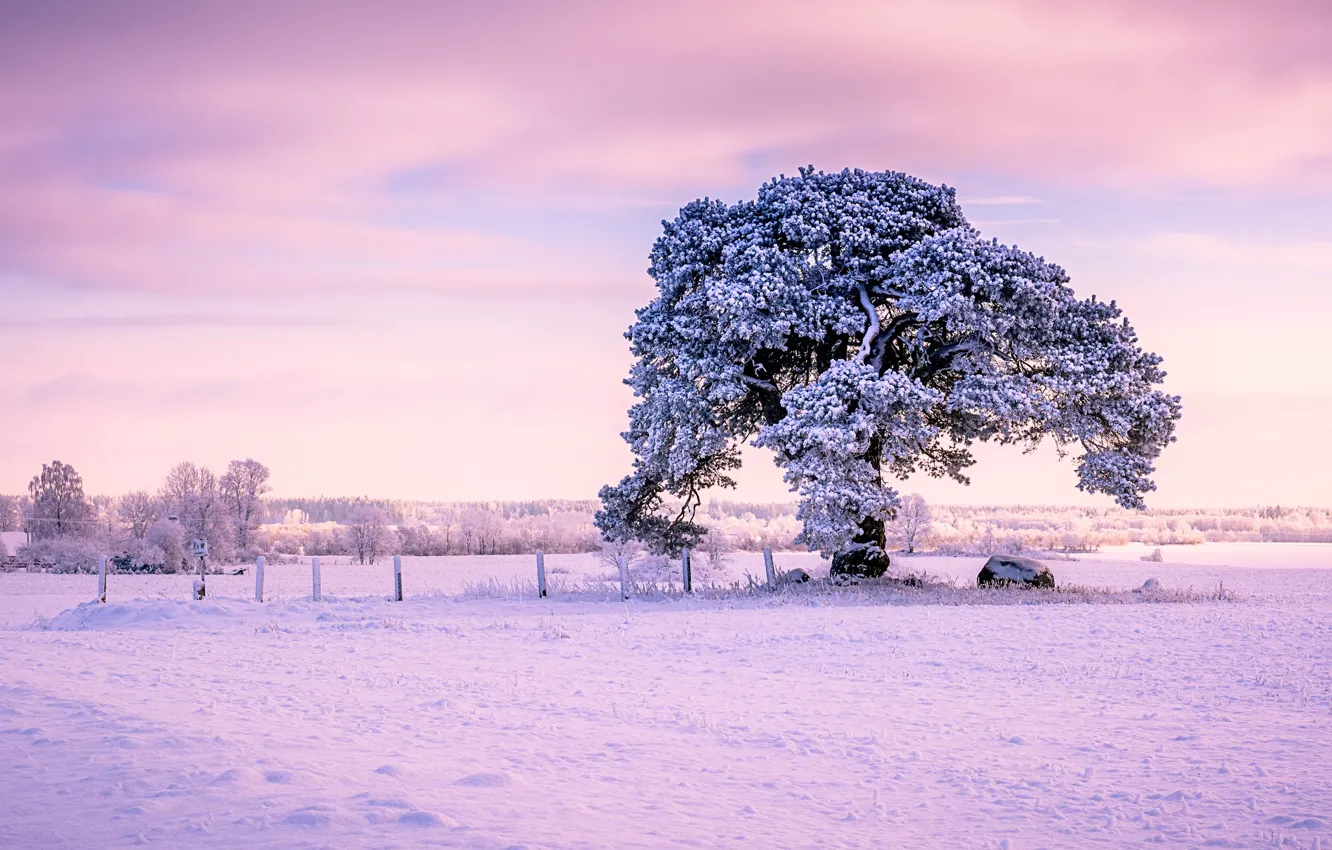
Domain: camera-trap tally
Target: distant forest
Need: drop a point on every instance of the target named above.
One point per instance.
(237, 517)
(566, 525)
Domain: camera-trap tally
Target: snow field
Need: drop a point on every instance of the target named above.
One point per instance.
(793, 722)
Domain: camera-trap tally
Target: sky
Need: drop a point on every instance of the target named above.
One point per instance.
(390, 249)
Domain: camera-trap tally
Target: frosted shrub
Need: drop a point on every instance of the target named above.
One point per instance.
(1154, 557)
(163, 547)
(64, 554)
(655, 571)
(610, 553)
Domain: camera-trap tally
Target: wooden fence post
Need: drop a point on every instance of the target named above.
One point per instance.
(541, 575)
(101, 579)
(315, 590)
(624, 578)
(259, 579)
(686, 571)
(769, 569)
(397, 578)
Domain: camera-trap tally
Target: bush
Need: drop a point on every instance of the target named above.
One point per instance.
(64, 554)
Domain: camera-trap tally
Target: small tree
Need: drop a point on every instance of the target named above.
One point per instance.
(611, 551)
(163, 546)
(137, 511)
(368, 533)
(717, 546)
(180, 488)
(11, 518)
(242, 485)
(911, 525)
(191, 493)
(479, 531)
(59, 508)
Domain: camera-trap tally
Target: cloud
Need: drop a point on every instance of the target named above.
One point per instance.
(1211, 249)
(1000, 201)
(1012, 221)
(162, 320)
(200, 147)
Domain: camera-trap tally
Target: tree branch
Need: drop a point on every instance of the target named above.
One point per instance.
(942, 358)
(887, 336)
(872, 332)
(761, 384)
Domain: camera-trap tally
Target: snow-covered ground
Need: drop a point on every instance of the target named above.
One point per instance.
(812, 719)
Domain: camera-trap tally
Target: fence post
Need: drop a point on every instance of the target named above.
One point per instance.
(101, 579)
(314, 577)
(259, 579)
(686, 571)
(624, 578)
(541, 575)
(769, 569)
(397, 578)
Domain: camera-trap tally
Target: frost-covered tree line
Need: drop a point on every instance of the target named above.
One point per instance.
(136, 528)
(69, 530)
(856, 325)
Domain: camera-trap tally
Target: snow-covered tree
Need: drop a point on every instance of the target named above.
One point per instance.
(162, 546)
(717, 546)
(368, 534)
(911, 524)
(137, 511)
(10, 516)
(191, 493)
(855, 324)
(59, 508)
(242, 485)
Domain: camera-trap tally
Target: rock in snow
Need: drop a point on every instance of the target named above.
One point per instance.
(1014, 569)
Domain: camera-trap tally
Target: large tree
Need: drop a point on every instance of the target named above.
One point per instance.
(191, 493)
(244, 482)
(855, 324)
(59, 508)
(138, 512)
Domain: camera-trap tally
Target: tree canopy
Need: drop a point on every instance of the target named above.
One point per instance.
(59, 507)
(859, 327)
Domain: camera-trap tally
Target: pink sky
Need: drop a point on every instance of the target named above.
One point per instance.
(389, 249)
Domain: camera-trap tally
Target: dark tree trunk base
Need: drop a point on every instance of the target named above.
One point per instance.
(864, 563)
(867, 558)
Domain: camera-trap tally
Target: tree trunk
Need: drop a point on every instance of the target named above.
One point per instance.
(867, 555)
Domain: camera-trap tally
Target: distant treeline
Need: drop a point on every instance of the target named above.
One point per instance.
(233, 512)
(555, 525)
(400, 511)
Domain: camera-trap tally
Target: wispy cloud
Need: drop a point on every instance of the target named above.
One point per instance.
(1000, 201)
(199, 157)
(164, 320)
(1213, 249)
(1013, 221)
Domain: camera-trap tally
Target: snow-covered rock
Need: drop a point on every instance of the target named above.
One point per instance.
(1014, 569)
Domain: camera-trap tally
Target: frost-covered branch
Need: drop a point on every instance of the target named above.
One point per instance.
(759, 383)
(872, 314)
